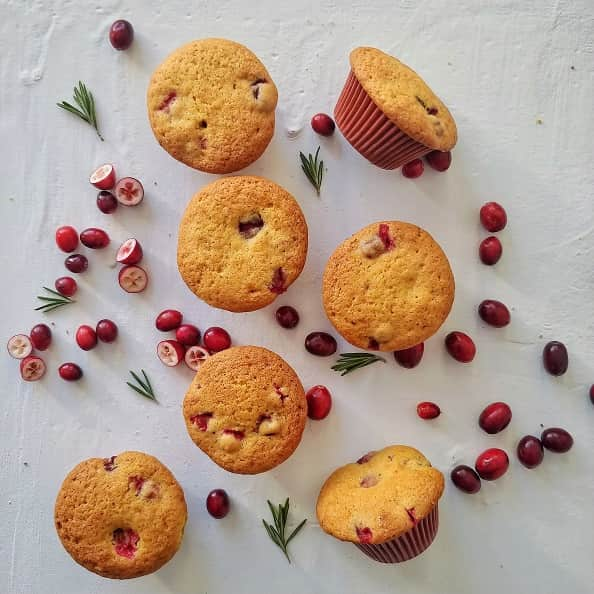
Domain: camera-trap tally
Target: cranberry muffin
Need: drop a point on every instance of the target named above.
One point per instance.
(385, 503)
(388, 287)
(246, 409)
(388, 113)
(211, 105)
(242, 242)
(121, 517)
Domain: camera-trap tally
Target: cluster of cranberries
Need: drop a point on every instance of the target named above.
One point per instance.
(127, 191)
(438, 160)
(493, 218)
(186, 345)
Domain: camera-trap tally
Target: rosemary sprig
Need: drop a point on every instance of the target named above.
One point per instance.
(86, 106)
(277, 532)
(348, 362)
(51, 303)
(145, 389)
(313, 169)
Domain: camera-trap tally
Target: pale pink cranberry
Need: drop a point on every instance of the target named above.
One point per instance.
(493, 217)
(217, 503)
(413, 169)
(460, 346)
(490, 250)
(439, 160)
(319, 402)
(125, 541)
(428, 410)
(216, 339)
(492, 464)
(411, 357)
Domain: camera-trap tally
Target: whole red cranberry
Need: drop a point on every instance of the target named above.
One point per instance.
(592, 393)
(106, 202)
(321, 344)
(410, 357)
(287, 316)
(76, 263)
(555, 358)
(428, 410)
(188, 335)
(86, 337)
(216, 339)
(66, 238)
(413, 169)
(41, 336)
(493, 217)
(168, 319)
(121, 34)
(530, 452)
(492, 464)
(466, 479)
(556, 440)
(70, 372)
(66, 285)
(490, 250)
(217, 503)
(94, 238)
(494, 313)
(106, 331)
(323, 124)
(439, 160)
(495, 417)
(460, 346)
(319, 402)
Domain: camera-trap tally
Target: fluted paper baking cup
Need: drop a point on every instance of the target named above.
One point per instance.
(406, 546)
(370, 132)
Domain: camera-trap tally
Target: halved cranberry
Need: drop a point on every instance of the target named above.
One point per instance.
(319, 402)
(428, 410)
(216, 339)
(32, 368)
(492, 464)
(103, 178)
(530, 452)
(66, 238)
(70, 372)
(41, 336)
(495, 417)
(129, 191)
(439, 160)
(170, 352)
(321, 344)
(76, 263)
(19, 346)
(556, 440)
(466, 479)
(168, 319)
(66, 285)
(217, 503)
(460, 346)
(195, 357)
(287, 316)
(130, 252)
(133, 279)
(494, 313)
(413, 169)
(490, 250)
(555, 357)
(411, 357)
(493, 217)
(323, 124)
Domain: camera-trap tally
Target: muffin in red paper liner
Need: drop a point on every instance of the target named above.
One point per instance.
(388, 113)
(385, 503)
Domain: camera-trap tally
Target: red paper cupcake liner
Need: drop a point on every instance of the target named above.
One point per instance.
(408, 545)
(370, 132)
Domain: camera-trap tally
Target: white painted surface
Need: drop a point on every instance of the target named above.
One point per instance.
(500, 66)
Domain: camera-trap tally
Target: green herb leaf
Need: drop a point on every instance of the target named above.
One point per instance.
(145, 389)
(348, 362)
(86, 106)
(313, 169)
(53, 302)
(277, 532)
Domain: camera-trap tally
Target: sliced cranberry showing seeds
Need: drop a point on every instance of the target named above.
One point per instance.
(125, 541)
(41, 336)
(130, 252)
(279, 279)
(460, 346)
(493, 217)
(86, 337)
(76, 263)
(216, 339)
(287, 316)
(495, 417)
(66, 285)
(104, 177)
(168, 319)
(133, 279)
(106, 330)
(439, 160)
(106, 202)
(323, 124)
(413, 169)
(201, 420)
(490, 250)
(556, 440)
(32, 368)
(555, 357)
(195, 356)
(170, 352)
(70, 372)
(411, 357)
(428, 410)
(121, 34)
(188, 335)
(466, 479)
(109, 463)
(494, 313)
(320, 344)
(492, 464)
(384, 235)
(217, 503)
(129, 191)
(319, 402)
(530, 451)
(66, 238)
(19, 346)
(94, 238)
(364, 535)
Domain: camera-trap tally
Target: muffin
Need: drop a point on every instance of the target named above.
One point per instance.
(211, 105)
(121, 517)
(388, 287)
(246, 409)
(388, 113)
(385, 503)
(242, 242)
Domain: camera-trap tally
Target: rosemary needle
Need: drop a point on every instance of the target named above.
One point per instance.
(276, 532)
(348, 362)
(313, 169)
(86, 106)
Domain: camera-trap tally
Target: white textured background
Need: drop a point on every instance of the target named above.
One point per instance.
(500, 66)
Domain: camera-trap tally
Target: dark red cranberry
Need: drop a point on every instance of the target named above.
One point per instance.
(323, 124)
(287, 316)
(321, 344)
(106, 331)
(492, 464)
(490, 250)
(495, 417)
(121, 34)
(530, 452)
(106, 202)
(460, 346)
(70, 372)
(494, 313)
(94, 238)
(555, 358)
(76, 263)
(556, 440)
(493, 217)
(188, 335)
(216, 339)
(41, 336)
(413, 169)
(439, 160)
(86, 337)
(217, 503)
(169, 319)
(67, 238)
(410, 357)
(319, 402)
(466, 479)
(428, 410)
(592, 393)
(66, 285)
